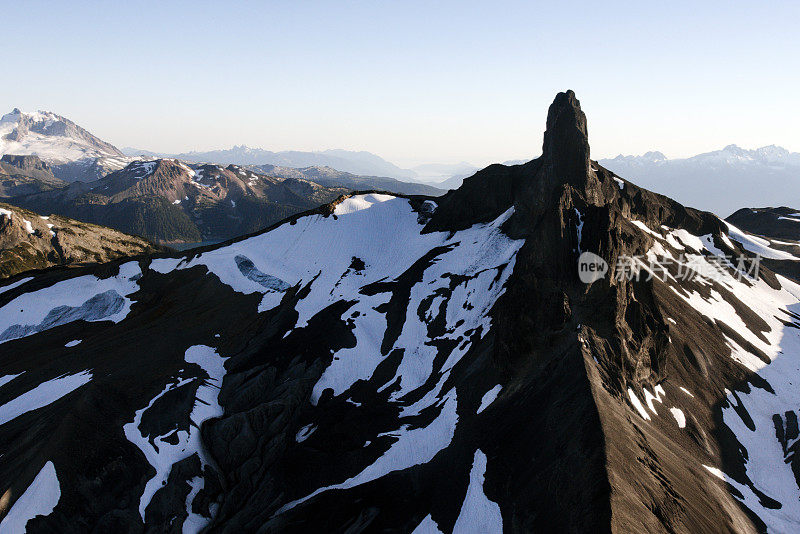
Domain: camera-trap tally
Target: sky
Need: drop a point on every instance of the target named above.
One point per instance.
(414, 82)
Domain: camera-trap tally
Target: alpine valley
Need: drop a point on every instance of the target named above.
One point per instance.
(408, 363)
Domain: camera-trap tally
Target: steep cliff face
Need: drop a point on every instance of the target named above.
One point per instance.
(417, 364)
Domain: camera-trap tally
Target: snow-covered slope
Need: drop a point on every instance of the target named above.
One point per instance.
(416, 364)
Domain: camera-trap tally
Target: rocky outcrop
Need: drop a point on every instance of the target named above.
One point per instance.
(778, 229)
(26, 163)
(25, 175)
(31, 241)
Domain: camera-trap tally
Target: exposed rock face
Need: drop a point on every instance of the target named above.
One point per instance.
(390, 364)
(25, 175)
(31, 241)
(781, 223)
(26, 163)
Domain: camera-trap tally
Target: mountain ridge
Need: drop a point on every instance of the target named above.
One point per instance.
(351, 161)
(29, 241)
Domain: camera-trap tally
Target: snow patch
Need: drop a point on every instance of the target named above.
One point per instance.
(638, 405)
(489, 397)
(43, 395)
(428, 526)
(412, 447)
(162, 454)
(40, 498)
(15, 284)
(359, 202)
(478, 513)
(85, 298)
(304, 433)
(680, 418)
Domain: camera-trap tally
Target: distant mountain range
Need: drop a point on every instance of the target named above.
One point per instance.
(364, 163)
(74, 154)
(51, 165)
(329, 177)
(721, 181)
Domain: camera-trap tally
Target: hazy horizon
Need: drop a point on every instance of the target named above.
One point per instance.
(413, 83)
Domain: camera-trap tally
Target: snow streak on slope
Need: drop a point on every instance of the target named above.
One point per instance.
(478, 513)
(85, 298)
(164, 451)
(758, 245)
(412, 447)
(39, 499)
(762, 415)
(42, 395)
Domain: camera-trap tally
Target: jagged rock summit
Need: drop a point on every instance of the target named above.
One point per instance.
(416, 364)
(566, 140)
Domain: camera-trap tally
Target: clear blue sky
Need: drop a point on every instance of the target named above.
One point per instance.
(411, 81)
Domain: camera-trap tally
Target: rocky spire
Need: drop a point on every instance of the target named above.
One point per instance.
(566, 144)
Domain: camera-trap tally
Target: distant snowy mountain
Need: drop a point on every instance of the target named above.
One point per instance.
(363, 163)
(73, 153)
(721, 181)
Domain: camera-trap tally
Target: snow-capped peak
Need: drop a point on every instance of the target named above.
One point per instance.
(55, 139)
